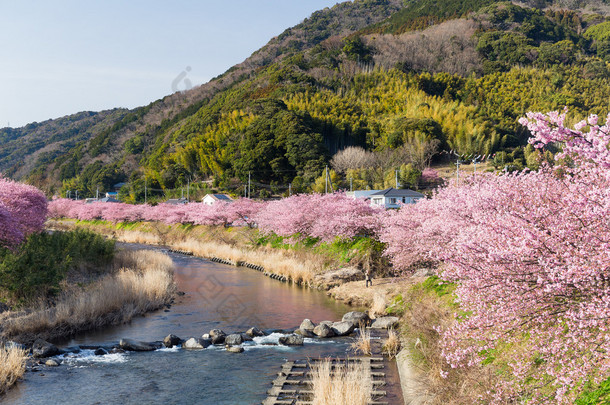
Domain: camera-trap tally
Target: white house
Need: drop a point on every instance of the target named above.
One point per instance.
(211, 199)
(394, 198)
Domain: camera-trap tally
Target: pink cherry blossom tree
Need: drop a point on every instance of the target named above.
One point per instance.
(529, 254)
(23, 211)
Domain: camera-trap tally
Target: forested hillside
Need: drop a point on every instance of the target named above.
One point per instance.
(402, 80)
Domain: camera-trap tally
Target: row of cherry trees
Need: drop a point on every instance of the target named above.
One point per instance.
(530, 255)
(23, 211)
(320, 216)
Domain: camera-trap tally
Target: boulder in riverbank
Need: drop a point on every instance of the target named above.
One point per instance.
(171, 341)
(323, 331)
(218, 336)
(52, 363)
(292, 340)
(337, 277)
(235, 349)
(100, 351)
(305, 333)
(342, 328)
(255, 332)
(385, 322)
(137, 346)
(234, 339)
(307, 325)
(196, 343)
(356, 318)
(42, 349)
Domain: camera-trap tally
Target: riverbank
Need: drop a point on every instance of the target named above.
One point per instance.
(316, 269)
(320, 266)
(138, 282)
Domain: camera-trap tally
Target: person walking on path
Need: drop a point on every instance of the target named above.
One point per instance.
(368, 277)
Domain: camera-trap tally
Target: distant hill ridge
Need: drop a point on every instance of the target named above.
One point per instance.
(373, 73)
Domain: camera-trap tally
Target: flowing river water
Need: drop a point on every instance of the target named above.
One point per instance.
(217, 296)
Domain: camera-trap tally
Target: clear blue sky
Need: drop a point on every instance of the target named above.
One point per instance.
(61, 57)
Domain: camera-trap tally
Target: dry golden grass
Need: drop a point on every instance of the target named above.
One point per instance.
(12, 366)
(391, 346)
(463, 385)
(378, 308)
(144, 282)
(363, 344)
(234, 245)
(342, 384)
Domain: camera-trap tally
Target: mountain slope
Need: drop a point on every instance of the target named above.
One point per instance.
(356, 74)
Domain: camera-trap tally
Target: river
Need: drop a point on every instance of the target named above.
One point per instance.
(217, 296)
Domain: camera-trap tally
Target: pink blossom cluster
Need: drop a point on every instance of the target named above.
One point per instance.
(323, 216)
(530, 254)
(23, 211)
(319, 216)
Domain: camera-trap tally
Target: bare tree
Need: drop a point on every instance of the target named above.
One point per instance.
(353, 157)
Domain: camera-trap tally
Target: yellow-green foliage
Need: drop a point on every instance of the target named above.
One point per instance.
(378, 99)
(600, 32)
(208, 145)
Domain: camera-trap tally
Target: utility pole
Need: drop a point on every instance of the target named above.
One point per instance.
(97, 193)
(145, 189)
(457, 164)
(351, 184)
(249, 183)
(76, 195)
(396, 178)
(289, 189)
(326, 180)
(188, 190)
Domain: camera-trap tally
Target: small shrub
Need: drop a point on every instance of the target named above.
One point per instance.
(391, 346)
(12, 366)
(363, 344)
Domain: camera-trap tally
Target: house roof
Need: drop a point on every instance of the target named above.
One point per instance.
(361, 193)
(222, 197)
(108, 199)
(176, 201)
(393, 192)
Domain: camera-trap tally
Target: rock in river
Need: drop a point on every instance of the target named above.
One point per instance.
(52, 363)
(343, 328)
(235, 349)
(255, 332)
(217, 336)
(323, 331)
(171, 341)
(307, 325)
(305, 333)
(385, 322)
(234, 339)
(137, 346)
(196, 343)
(292, 340)
(42, 349)
(356, 318)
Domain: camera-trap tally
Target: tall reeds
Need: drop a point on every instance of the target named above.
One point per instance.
(339, 383)
(142, 282)
(12, 366)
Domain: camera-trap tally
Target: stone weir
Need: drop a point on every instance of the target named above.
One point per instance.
(293, 384)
